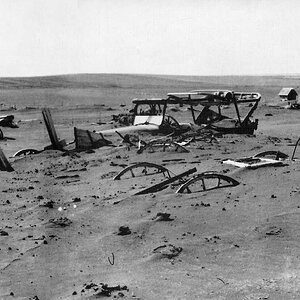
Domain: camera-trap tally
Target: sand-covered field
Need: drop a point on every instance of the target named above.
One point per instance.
(61, 212)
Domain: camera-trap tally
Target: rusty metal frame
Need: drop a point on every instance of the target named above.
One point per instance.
(208, 175)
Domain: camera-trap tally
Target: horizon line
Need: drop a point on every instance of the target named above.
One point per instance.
(149, 74)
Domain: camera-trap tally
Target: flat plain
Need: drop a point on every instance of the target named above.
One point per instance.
(61, 214)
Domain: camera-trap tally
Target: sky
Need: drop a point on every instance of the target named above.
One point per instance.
(176, 37)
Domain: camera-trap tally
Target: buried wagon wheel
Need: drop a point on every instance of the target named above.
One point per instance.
(25, 152)
(207, 181)
(145, 169)
(164, 145)
(170, 124)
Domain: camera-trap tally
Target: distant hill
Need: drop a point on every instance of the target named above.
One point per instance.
(82, 81)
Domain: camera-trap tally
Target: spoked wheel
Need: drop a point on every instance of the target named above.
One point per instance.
(169, 123)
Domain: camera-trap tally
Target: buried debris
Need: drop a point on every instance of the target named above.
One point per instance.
(49, 204)
(103, 290)
(296, 145)
(168, 251)
(262, 159)
(8, 121)
(107, 290)
(124, 230)
(85, 139)
(252, 162)
(160, 186)
(276, 155)
(63, 221)
(207, 181)
(56, 143)
(25, 152)
(163, 217)
(143, 169)
(219, 99)
(3, 233)
(4, 163)
(164, 145)
(5, 138)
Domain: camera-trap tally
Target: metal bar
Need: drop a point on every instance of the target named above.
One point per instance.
(295, 148)
(161, 185)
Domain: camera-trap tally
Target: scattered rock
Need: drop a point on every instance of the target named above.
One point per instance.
(163, 217)
(274, 231)
(3, 233)
(63, 222)
(48, 204)
(107, 290)
(124, 230)
(76, 199)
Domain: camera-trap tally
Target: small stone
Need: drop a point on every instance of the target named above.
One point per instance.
(124, 230)
(3, 233)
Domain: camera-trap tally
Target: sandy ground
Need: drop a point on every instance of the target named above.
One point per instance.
(61, 214)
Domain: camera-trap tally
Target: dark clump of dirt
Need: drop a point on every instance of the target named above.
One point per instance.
(163, 217)
(124, 230)
(3, 233)
(63, 222)
(49, 204)
(107, 290)
(102, 289)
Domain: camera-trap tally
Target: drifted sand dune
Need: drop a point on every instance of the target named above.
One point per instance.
(61, 213)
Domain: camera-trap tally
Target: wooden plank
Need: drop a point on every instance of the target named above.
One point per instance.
(85, 139)
(296, 145)
(161, 185)
(51, 129)
(263, 162)
(4, 163)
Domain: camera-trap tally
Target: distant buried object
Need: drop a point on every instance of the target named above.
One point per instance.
(8, 121)
(207, 181)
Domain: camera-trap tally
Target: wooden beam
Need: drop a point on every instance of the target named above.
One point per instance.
(161, 185)
(51, 129)
(4, 163)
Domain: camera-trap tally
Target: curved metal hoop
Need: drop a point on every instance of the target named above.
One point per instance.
(145, 165)
(164, 145)
(26, 152)
(206, 176)
(275, 154)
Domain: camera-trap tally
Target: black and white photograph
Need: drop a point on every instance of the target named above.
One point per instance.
(149, 150)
